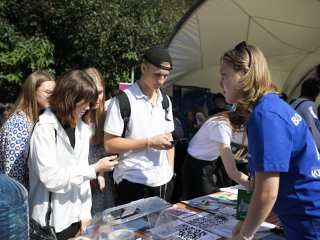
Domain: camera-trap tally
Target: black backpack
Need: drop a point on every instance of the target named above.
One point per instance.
(125, 108)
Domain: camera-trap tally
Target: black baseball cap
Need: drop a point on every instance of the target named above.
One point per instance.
(158, 55)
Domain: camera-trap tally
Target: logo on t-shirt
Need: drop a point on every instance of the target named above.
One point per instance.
(315, 172)
(296, 119)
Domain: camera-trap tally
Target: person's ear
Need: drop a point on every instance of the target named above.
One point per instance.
(143, 67)
(245, 70)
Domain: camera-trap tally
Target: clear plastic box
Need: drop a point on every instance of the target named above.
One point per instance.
(134, 210)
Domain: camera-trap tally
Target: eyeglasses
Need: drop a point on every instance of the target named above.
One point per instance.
(46, 93)
(243, 46)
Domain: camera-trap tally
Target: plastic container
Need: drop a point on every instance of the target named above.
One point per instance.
(163, 226)
(14, 219)
(134, 210)
(122, 234)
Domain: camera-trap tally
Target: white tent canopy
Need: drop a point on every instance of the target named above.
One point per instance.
(287, 31)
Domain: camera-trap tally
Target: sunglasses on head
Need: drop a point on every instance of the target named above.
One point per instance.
(243, 46)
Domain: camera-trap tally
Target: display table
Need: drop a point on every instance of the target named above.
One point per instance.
(213, 218)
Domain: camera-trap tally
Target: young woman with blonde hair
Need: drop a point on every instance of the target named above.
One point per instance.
(282, 157)
(102, 195)
(15, 133)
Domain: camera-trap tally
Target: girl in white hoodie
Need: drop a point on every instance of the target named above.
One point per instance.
(58, 160)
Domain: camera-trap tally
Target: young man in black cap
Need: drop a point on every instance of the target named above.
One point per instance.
(148, 170)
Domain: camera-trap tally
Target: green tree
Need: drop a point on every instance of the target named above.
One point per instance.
(20, 56)
(110, 35)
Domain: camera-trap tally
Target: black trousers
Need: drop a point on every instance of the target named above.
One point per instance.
(69, 232)
(179, 157)
(201, 177)
(129, 191)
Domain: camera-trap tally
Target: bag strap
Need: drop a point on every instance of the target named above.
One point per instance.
(296, 107)
(125, 109)
(244, 136)
(49, 210)
(165, 104)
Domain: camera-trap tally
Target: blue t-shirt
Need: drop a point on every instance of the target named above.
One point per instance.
(280, 141)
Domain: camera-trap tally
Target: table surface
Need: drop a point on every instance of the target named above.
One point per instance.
(272, 218)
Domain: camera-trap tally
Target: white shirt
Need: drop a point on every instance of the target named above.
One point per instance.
(56, 167)
(106, 103)
(149, 166)
(205, 143)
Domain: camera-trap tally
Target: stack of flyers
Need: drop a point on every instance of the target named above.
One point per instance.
(225, 197)
(205, 203)
(212, 205)
(232, 189)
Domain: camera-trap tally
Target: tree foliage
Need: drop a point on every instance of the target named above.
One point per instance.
(62, 35)
(19, 56)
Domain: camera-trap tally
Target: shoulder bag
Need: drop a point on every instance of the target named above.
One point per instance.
(38, 232)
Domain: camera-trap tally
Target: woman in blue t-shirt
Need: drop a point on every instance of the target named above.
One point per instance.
(283, 158)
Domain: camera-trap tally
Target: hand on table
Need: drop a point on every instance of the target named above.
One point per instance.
(84, 224)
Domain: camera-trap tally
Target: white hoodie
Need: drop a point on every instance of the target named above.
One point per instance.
(56, 167)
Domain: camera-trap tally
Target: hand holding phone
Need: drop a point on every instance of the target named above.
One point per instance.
(175, 141)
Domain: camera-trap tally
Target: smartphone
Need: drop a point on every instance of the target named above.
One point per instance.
(178, 140)
(123, 155)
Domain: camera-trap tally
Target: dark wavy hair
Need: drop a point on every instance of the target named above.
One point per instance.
(310, 88)
(73, 88)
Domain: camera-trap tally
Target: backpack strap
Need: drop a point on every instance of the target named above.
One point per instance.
(296, 107)
(125, 109)
(165, 104)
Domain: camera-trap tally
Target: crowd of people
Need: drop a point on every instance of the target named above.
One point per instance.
(61, 140)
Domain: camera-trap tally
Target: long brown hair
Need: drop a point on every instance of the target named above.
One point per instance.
(99, 113)
(257, 82)
(26, 102)
(73, 88)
